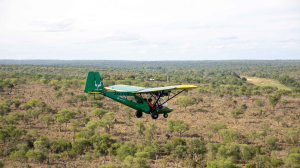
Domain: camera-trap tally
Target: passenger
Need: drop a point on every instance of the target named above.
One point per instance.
(150, 103)
(138, 100)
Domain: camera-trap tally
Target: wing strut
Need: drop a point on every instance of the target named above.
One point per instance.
(159, 95)
(172, 97)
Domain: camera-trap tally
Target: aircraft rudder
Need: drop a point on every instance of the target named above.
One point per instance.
(90, 84)
(98, 82)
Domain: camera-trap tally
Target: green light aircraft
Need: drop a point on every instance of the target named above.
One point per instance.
(138, 98)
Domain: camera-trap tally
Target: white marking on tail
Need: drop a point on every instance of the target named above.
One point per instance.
(96, 85)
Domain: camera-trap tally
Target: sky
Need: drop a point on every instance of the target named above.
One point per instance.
(150, 29)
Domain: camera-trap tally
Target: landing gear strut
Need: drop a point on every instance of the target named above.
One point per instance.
(166, 115)
(138, 114)
(154, 115)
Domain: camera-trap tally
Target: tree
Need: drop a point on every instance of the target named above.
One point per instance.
(65, 115)
(57, 95)
(223, 162)
(278, 118)
(60, 121)
(293, 159)
(291, 135)
(108, 121)
(109, 165)
(47, 120)
(82, 99)
(13, 117)
(179, 152)
(36, 155)
(157, 147)
(97, 103)
(236, 112)
(42, 105)
(32, 134)
(151, 131)
(197, 98)
(56, 87)
(127, 149)
(284, 102)
(141, 160)
(60, 145)
(36, 113)
(11, 86)
(274, 99)
(196, 147)
(75, 125)
(229, 135)
(41, 144)
(128, 112)
(177, 126)
(4, 109)
(259, 103)
(208, 136)
(1, 163)
(102, 144)
(128, 161)
(184, 101)
(99, 112)
(216, 127)
(43, 81)
(243, 106)
(271, 142)
(33, 102)
(16, 102)
(82, 145)
(18, 156)
(245, 152)
(140, 127)
(89, 130)
(86, 120)
(26, 107)
(266, 161)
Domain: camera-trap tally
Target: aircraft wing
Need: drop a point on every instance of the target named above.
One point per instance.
(124, 88)
(167, 88)
(136, 89)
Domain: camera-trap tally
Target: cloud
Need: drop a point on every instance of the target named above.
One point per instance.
(57, 26)
(122, 36)
(288, 40)
(201, 26)
(186, 46)
(227, 38)
(141, 42)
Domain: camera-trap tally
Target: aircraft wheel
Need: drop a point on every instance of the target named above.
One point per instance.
(166, 115)
(138, 114)
(154, 115)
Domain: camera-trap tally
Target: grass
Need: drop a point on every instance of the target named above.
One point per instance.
(266, 82)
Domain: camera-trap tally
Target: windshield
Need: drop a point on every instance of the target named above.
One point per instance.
(162, 102)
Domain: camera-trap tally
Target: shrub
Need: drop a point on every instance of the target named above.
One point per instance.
(228, 135)
(271, 142)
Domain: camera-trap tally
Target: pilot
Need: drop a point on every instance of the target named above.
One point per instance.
(150, 104)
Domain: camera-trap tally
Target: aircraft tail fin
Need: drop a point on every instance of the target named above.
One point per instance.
(93, 83)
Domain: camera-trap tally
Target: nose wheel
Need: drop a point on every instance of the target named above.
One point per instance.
(166, 115)
(154, 115)
(138, 114)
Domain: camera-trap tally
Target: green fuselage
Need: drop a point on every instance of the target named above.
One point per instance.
(135, 102)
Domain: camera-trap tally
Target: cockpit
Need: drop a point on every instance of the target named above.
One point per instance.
(161, 103)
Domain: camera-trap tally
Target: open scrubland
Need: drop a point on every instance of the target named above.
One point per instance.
(47, 119)
(266, 82)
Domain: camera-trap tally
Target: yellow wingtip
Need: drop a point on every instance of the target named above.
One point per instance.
(186, 87)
